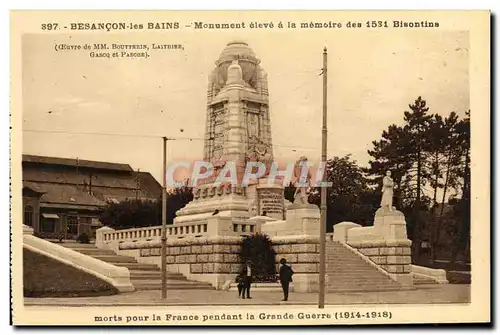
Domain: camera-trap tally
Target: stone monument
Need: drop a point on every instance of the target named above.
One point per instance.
(387, 191)
(237, 130)
(386, 242)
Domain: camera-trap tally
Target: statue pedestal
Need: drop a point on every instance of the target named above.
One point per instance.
(300, 220)
(385, 243)
(391, 225)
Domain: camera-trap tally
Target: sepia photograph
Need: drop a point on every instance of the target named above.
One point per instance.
(252, 168)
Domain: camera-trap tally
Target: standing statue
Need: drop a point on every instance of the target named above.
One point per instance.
(302, 186)
(387, 191)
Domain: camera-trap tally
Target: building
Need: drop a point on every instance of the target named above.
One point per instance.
(62, 197)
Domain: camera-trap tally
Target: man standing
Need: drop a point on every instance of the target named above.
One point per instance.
(247, 281)
(286, 274)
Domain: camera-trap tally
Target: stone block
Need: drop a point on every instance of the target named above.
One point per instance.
(407, 268)
(186, 250)
(234, 249)
(391, 251)
(406, 251)
(379, 259)
(370, 251)
(235, 268)
(222, 268)
(191, 258)
(180, 259)
(145, 252)
(196, 249)
(290, 258)
(231, 258)
(203, 258)
(303, 248)
(305, 268)
(285, 249)
(175, 251)
(384, 251)
(398, 260)
(222, 248)
(208, 268)
(196, 268)
(155, 251)
(393, 268)
(217, 258)
(170, 259)
(207, 249)
(308, 258)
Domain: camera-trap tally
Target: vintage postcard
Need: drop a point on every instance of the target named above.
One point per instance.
(250, 168)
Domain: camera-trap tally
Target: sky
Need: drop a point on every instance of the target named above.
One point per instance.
(372, 77)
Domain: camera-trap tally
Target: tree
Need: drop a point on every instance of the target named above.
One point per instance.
(390, 153)
(177, 199)
(257, 251)
(133, 213)
(462, 209)
(130, 213)
(404, 150)
(349, 198)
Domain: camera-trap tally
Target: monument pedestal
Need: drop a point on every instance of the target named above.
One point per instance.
(385, 243)
(301, 219)
(229, 201)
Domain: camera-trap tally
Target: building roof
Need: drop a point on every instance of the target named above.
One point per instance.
(63, 194)
(76, 163)
(83, 188)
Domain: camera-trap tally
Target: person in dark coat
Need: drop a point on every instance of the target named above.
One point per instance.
(240, 279)
(286, 274)
(247, 281)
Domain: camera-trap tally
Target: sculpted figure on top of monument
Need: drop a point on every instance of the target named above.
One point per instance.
(302, 178)
(387, 192)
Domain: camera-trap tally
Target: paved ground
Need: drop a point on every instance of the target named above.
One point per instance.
(425, 294)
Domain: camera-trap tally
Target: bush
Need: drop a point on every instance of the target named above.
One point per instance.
(257, 250)
(83, 238)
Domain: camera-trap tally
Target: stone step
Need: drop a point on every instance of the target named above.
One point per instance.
(115, 258)
(348, 272)
(370, 288)
(137, 266)
(93, 251)
(171, 284)
(154, 275)
(72, 245)
(142, 276)
(417, 280)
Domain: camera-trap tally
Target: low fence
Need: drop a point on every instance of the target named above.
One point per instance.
(218, 226)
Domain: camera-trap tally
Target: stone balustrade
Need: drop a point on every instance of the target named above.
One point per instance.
(218, 226)
(117, 276)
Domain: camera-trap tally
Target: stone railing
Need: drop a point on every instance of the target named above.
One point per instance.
(245, 227)
(437, 275)
(108, 238)
(117, 276)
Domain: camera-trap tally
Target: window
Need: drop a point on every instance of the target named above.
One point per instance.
(28, 216)
(48, 225)
(73, 225)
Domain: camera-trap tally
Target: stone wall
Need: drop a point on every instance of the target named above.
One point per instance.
(302, 253)
(215, 259)
(392, 256)
(207, 259)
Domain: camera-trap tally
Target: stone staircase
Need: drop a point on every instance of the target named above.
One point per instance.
(346, 271)
(142, 276)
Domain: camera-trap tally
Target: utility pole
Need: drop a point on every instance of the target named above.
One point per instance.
(322, 233)
(137, 181)
(164, 224)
